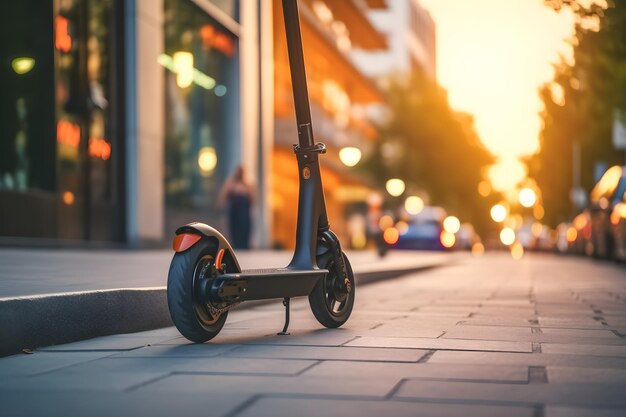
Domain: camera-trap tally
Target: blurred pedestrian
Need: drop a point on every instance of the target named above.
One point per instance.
(237, 196)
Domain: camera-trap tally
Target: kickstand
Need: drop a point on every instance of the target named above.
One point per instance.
(286, 304)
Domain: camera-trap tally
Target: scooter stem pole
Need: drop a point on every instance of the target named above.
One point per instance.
(298, 73)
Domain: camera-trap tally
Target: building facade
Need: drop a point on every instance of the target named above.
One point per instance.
(340, 94)
(410, 31)
(122, 119)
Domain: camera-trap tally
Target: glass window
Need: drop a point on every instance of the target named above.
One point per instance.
(58, 147)
(27, 128)
(84, 108)
(202, 125)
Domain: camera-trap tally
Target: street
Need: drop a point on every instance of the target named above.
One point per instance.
(489, 336)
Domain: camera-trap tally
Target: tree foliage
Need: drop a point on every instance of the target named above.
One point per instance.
(580, 104)
(433, 149)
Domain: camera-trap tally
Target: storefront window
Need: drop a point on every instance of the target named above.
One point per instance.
(202, 136)
(85, 141)
(58, 147)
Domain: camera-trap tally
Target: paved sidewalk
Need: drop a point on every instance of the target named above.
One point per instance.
(49, 297)
(27, 272)
(543, 337)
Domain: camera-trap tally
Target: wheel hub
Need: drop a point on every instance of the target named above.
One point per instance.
(206, 271)
(341, 288)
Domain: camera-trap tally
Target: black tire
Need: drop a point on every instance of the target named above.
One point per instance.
(326, 308)
(192, 319)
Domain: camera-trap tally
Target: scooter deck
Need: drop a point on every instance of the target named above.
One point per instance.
(263, 284)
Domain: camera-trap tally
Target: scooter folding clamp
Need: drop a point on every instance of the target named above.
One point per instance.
(319, 147)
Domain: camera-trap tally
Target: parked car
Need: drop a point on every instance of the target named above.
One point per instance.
(618, 226)
(535, 236)
(606, 194)
(582, 243)
(466, 237)
(563, 245)
(424, 230)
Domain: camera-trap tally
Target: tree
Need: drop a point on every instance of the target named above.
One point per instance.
(432, 148)
(580, 104)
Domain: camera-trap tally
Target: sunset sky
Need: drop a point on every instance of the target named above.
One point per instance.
(492, 57)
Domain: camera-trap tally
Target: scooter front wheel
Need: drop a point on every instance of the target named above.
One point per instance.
(195, 320)
(330, 300)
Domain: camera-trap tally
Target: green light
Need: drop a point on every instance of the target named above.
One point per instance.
(23, 65)
(199, 78)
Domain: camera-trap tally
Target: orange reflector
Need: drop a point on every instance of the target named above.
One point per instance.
(184, 241)
(219, 259)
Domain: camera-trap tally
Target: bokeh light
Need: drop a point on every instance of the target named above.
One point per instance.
(498, 213)
(385, 222)
(207, 160)
(517, 251)
(447, 239)
(478, 249)
(402, 227)
(391, 235)
(350, 156)
(527, 197)
(571, 234)
(484, 188)
(68, 198)
(183, 65)
(358, 240)
(414, 205)
(395, 187)
(451, 224)
(507, 236)
(23, 65)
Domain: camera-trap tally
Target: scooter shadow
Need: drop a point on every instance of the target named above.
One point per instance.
(233, 338)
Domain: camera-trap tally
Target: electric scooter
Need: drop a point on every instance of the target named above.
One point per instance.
(205, 280)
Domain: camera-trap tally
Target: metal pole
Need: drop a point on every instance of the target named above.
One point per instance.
(298, 73)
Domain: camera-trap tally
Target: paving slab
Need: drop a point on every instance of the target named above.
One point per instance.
(186, 350)
(572, 374)
(430, 371)
(533, 359)
(122, 373)
(114, 342)
(592, 350)
(560, 411)
(528, 334)
(303, 407)
(598, 395)
(260, 385)
(20, 403)
(580, 333)
(42, 362)
(329, 353)
(443, 344)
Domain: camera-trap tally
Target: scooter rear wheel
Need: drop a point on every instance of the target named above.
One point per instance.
(330, 303)
(194, 319)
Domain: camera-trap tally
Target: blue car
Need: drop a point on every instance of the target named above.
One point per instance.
(424, 231)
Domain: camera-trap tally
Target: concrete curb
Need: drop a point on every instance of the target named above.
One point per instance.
(51, 319)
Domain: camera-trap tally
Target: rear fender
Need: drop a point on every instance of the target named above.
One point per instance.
(186, 238)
